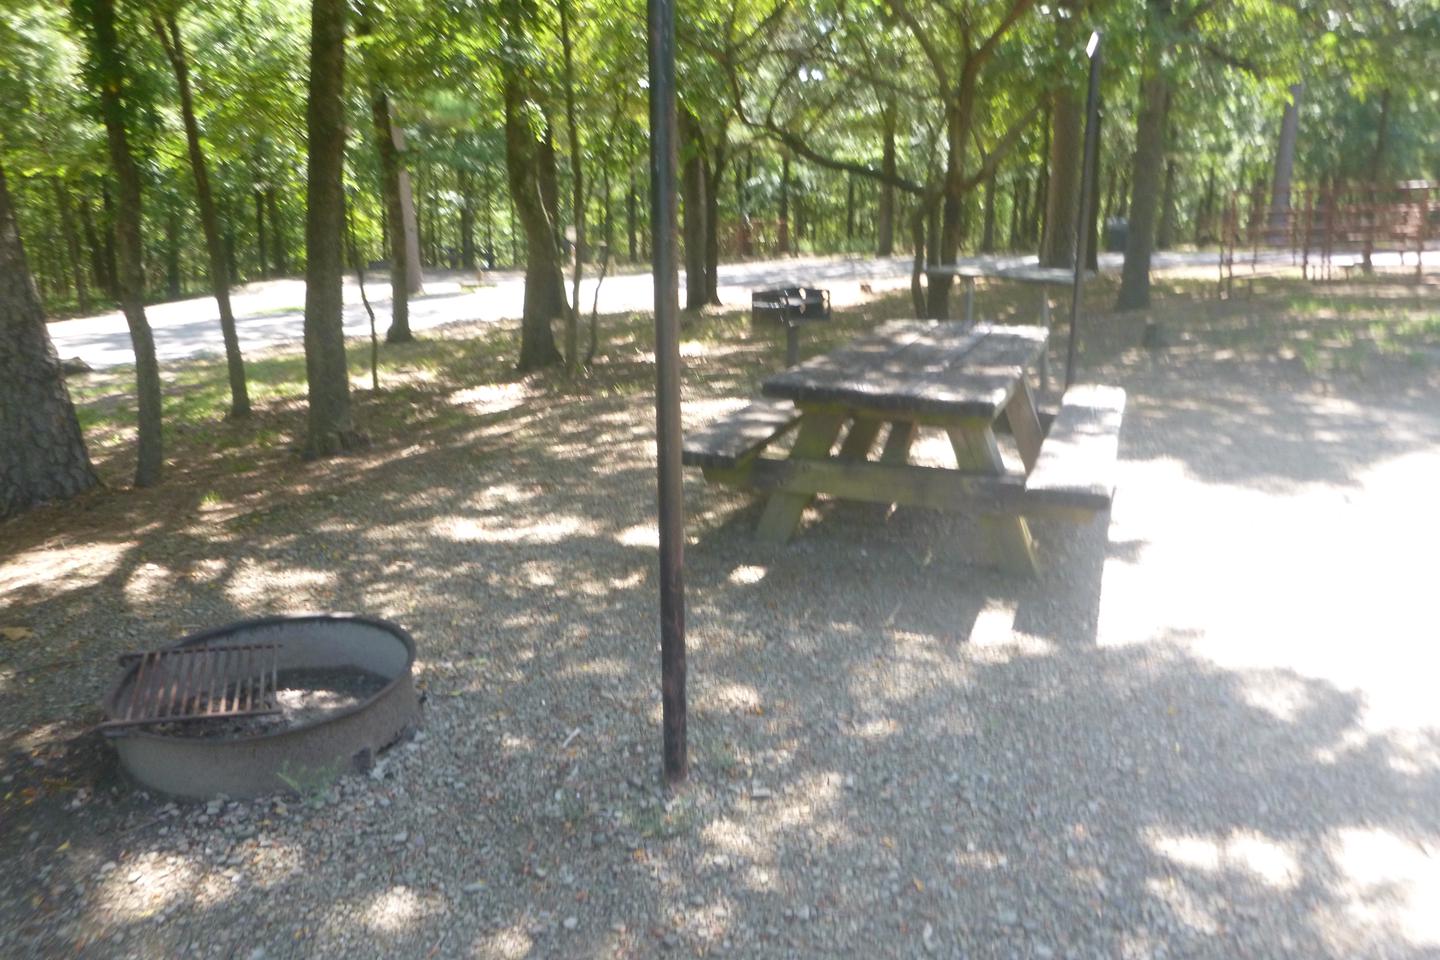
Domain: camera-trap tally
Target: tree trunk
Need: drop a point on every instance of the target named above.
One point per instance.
(577, 192)
(1204, 220)
(279, 257)
(400, 231)
(544, 278)
(72, 244)
(172, 249)
(1377, 168)
(714, 173)
(262, 259)
(693, 196)
(330, 429)
(1092, 216)
(109, 73)
(782, 243)
(44, 452)
(1285, 164)
(987, 235)
(465, 182)
(1062, 192)
(1165, 233)
(414, 266)
(168, 30)
(104, 282)
(112, 262)
(631, 202)
(1146, 172)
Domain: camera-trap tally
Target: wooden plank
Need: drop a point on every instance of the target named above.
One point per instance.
(1078, 460)
(784, 510)
(898, 442)
(726, 441)
(1006, 536)
(934, 488)
(861, 438)
(1025, 424)
(942, 370)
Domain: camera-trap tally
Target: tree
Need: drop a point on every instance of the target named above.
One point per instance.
(96, 20)
(528, 171)
(44, 453)
(167, 29)
(402, 233)
(330, 429)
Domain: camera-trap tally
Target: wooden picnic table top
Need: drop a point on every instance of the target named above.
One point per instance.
(918, 367)
(1023, 273)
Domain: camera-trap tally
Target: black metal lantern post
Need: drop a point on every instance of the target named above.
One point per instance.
(665, 247)
(1087, 173)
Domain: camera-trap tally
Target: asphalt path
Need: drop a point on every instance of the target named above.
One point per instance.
(271, 312)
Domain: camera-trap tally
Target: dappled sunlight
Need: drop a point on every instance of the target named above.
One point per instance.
(398, 909)
(1390, 881)
(746, 574)
(641, 535)
(1266, 860)
(62, 566)
(507, 530)
(142, 887)
(263, 584)
(510, 943)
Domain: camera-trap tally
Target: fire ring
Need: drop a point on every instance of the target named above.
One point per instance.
(193, 755)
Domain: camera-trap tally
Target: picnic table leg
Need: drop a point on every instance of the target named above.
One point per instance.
(1025, 424)
(969, 300)
(1045, 322)
(1007, 537)
(784, 510)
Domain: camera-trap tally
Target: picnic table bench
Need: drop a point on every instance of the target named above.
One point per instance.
(962, 378)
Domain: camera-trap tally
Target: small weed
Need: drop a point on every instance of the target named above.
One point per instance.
(310, 783)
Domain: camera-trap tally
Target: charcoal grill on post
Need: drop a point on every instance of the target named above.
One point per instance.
(791, 306)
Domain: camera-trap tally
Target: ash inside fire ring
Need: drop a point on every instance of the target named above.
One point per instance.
(303, 696)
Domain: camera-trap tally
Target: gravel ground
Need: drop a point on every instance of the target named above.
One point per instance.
(1206, 732)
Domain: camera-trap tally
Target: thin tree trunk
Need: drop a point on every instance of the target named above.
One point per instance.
(330, 429)
(111, 82)
(103, 281)
(465, 181)
(783, 237)
(577, 192)
(693, 197)
(631, 202)
(44, 451)
(172, 249)
(987, 234)
(72, 243)
(1165, 233)
(885, 225)
(279, 257)
(1377, 168)
(387, 147)
(168, 30)
(1062, 192)
(714, 173)
(1285, 163)
(261, 255)
(414, 266)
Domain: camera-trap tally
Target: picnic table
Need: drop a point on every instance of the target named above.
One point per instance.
(966, 379)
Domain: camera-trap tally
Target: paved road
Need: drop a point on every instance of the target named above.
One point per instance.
(271, 312)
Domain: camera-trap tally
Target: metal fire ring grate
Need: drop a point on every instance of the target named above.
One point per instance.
(198, 683)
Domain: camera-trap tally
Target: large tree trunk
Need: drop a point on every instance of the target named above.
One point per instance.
(544, 278)
(42, 452)
(1285, 164)
(72, 244)
(330, 428)
(414, 265)
(168, 30)
(693, 196)
(1146, 173)
(885, 218)
(399, 237)
(1061, 194)
(109, 72)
